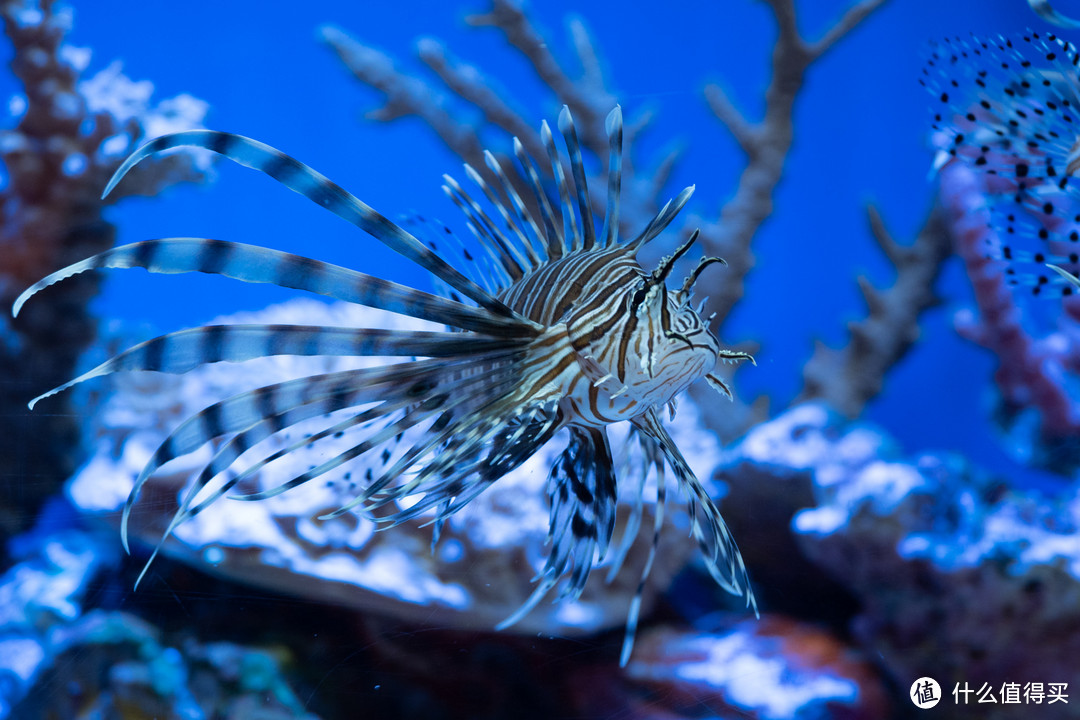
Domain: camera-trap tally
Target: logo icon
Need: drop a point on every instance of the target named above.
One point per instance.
(925, 693)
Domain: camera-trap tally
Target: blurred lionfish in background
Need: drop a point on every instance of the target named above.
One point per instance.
(1010, 108)
(564, 330)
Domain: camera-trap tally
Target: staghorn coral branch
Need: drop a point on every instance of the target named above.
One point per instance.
(855, 15)
(405, 95)
(589, 99)
(469, 85)
(848, 378)
(747, 135)
(766, 143)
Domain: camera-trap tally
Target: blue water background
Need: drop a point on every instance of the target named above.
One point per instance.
(860, 136)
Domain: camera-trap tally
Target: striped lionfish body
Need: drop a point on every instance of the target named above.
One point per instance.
(563, 331)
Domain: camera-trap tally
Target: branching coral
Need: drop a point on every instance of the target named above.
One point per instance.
(72, 133)
(766, 143)
(849, 377)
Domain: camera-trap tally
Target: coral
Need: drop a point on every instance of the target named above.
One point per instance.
(766, 143)
(110, 662)
(71, 134)
(480, 571)
(767, 478)
(959, 579)
(1037, 399)
(115, 664)
(43, 591)
(850, 377)
(956, 577)
(589, 97)
(772, 669)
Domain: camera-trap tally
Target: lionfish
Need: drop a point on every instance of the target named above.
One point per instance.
(1016, 120)
(571, 333)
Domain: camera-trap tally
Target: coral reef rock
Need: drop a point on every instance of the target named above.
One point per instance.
(41, 592)
(58, 660)
(772, 669)
(112, 664)
(958, 577)
(767, 478)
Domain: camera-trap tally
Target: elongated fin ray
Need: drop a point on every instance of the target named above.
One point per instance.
(515, 200)
(480, 268)
(1036, 236)
(465, 469)
(631, 478)
(1066, 275)
(185, 350)
(662, 219)
(485, 446)
(614, 127)
(333, 391)
(1046, 11)
(443, 397)
(577, 167)
(722, 557)
(255, 264)
(533, 260)
(655, 456)
(446, 394)
(411, 418)
(315, 186)
(439, 434)
(235, 414)
(243, 441)
(187, 511)
(571, 234)
(227, 454)
(555, 244)
(583, 500)
(511, 259)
